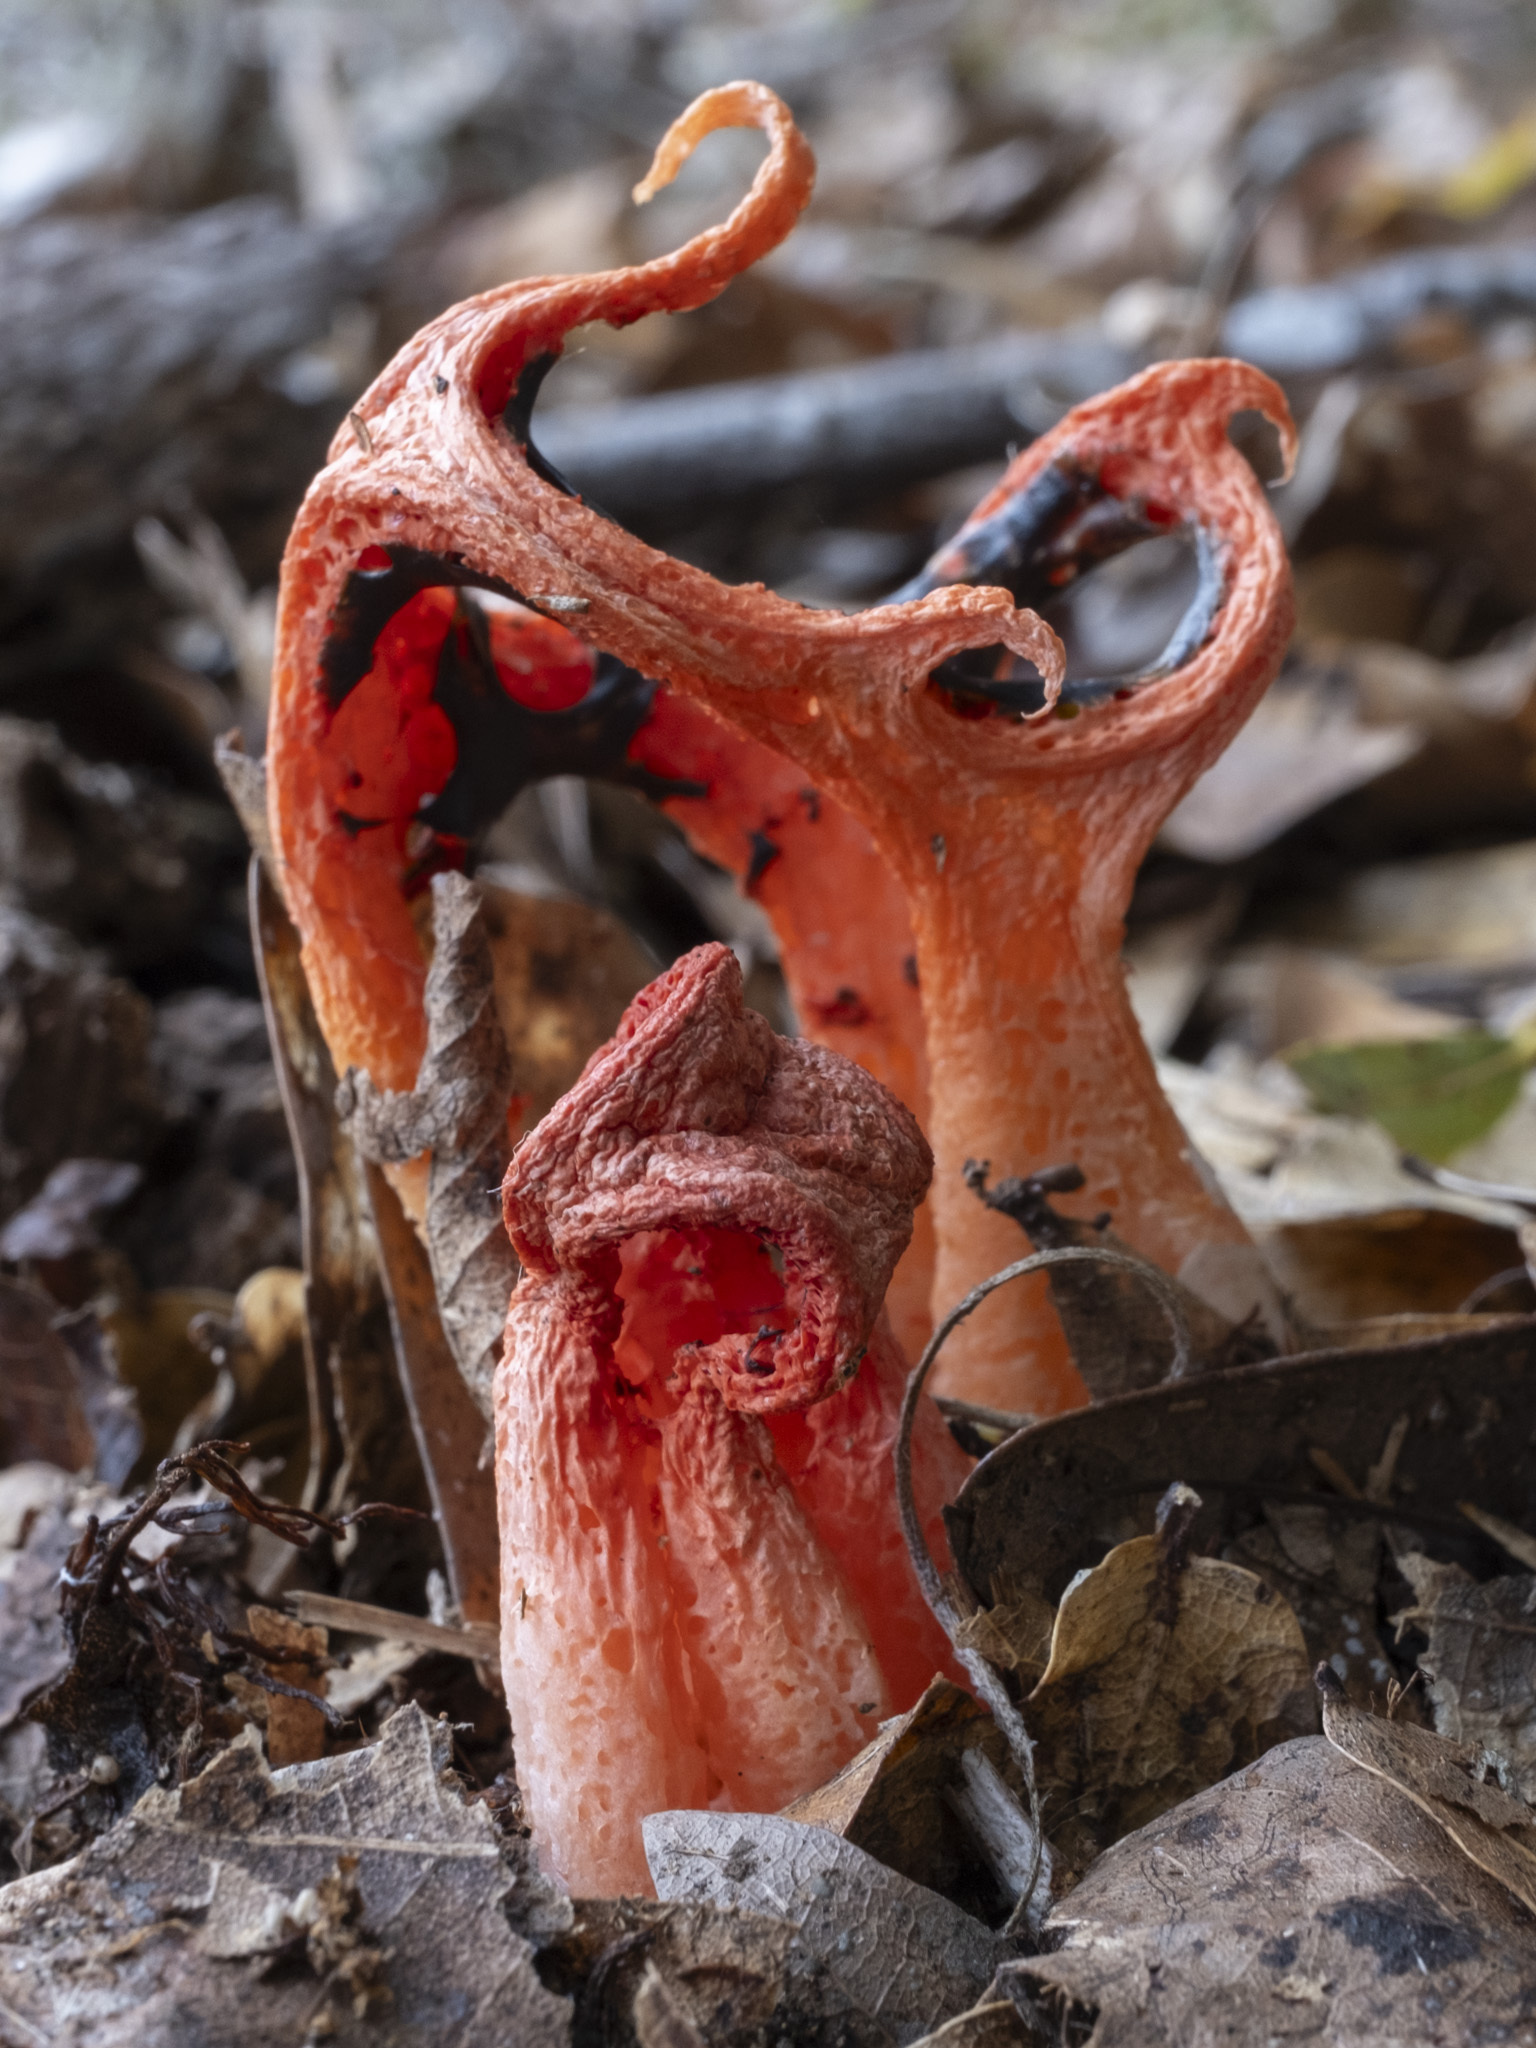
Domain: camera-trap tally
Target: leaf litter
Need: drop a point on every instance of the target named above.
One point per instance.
(1165, 1673)
(1300, 1899)
(1149, 1670)
(1356, 877)
(1478, 1661)
(336, 1900)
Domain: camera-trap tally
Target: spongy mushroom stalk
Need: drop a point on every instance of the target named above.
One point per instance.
(706, 1599)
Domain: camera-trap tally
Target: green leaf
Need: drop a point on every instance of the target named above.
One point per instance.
(1433, 1094)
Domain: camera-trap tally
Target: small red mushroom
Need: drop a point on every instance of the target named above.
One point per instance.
(706, 1595)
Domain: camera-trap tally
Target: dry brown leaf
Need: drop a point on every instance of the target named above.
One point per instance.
(1014, 1633)
(1445, 1779)
(1328, 1566)
(1168, 963)
(1289, 994)
(295, 1729)
(1479, 1663)
(1342, 1269)
(76, 1079)
(1165, 1674)
(357, 1900)
(1471, 909)
(880, 1779)
(448, 1421)
(61, 1399)
(521, 991)
(637, 1967)
(1304, 747)
(270, 1308)
(564, 973)
(1301, 1899)
(908, 1800)
(41, 1418)
(159, 1359)
(897, 1953)
(660, 2021)
(244, 777)
(1286, 1169)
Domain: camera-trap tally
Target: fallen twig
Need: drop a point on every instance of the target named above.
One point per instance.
(476, 1641)
(892, 420)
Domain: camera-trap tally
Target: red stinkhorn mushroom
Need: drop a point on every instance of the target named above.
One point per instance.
(1018, 843)
(1014, 841)
(707, 1223)
(405, 718)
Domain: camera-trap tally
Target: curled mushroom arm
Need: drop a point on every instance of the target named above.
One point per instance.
(408, 512)
(415, 695)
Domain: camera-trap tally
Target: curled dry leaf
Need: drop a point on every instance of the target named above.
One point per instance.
(357, 1900)
(244, 777)
(1014, 1633)
(909, 1799)
(457, 1112)
(449, 1425)
(1166, 1671)
(1300, 1899)
(521, 991)
(898, 1953)
(1479, 1662)
(1447, 1780)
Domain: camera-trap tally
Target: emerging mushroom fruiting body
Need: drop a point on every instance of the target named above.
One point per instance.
(1012, 834)
(705, 1593)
